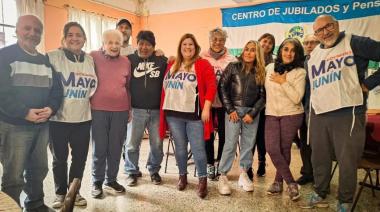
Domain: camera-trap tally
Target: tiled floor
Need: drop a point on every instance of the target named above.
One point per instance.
(148, 197)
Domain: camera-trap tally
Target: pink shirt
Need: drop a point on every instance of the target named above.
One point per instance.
(219, 66)
(112, 93)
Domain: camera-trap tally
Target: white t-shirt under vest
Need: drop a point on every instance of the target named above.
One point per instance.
(333, 76)
(180, 91)
(125, 51)
(79, 83)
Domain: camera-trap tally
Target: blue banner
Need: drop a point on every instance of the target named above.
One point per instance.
(298, 11)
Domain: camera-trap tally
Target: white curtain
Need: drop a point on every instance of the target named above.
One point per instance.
(34, 7)
(94, 25)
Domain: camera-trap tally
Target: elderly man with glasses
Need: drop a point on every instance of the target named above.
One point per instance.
(309, 43)
(338, 93)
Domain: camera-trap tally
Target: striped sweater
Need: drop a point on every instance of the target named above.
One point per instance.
(26, 82)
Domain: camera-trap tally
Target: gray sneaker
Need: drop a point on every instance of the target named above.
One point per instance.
(343, 207)
(275, 188)
(293, 191)
(315, 201)
(211, 172)
(58, 201)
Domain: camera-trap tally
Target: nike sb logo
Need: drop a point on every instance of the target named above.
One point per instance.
(145, 68)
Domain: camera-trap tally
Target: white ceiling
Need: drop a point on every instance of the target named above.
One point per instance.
(169, 6)
(126, 5)
(151, 7)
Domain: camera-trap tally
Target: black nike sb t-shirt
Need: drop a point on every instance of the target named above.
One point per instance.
(147, 76)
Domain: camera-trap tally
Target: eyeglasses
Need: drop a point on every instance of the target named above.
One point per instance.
(329, 27)
(215, 40)
(312, 42)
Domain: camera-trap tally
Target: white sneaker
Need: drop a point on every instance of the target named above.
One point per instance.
(223, 185)
(80, 201)
(58, 201)
(245, 182)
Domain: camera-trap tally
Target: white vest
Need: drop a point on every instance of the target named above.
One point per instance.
(79, 83)
(180, 91)
(333, 76)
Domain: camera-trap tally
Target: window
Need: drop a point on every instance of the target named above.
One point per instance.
(8, 19)
(94, 25)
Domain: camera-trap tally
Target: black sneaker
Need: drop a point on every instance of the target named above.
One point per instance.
(250, 173)
(132, 180)
(97, 190)
(139, 174)
(303, 180)
(156, 179)
(114, 186)
(42, 208)
(261, 169)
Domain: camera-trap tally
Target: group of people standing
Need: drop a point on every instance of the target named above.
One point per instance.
(65, 95)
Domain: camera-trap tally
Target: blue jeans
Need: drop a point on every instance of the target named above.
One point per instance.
(143, 118)
(185, 131)
(129, 132)
(247, 134)
(108, 136)
(24, 157)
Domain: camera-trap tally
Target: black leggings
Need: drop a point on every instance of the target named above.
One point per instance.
(62, 136)
(220, 115)
(260, 138)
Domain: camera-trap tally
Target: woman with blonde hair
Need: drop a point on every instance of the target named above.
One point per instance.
(267, 43)
(241, 89)
(188, 91)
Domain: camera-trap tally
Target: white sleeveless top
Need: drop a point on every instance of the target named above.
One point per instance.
(79, 83)
(333, 76)
(180, 91)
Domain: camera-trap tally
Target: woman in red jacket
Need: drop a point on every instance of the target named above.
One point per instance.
(188, 91)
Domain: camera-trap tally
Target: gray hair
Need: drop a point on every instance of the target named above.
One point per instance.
(218, 31)
(312, 36)
(110, 32)
(36, 19)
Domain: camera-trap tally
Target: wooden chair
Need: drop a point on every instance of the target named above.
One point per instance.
(370, 160)
(68, 204)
